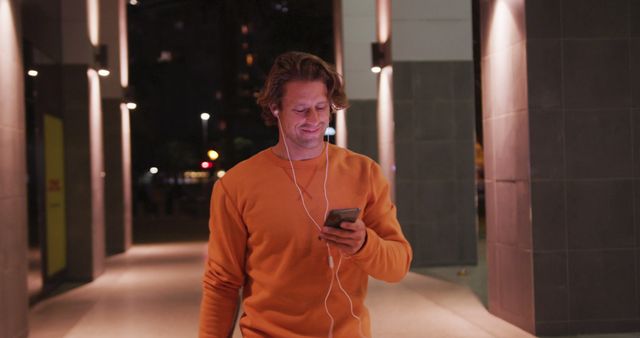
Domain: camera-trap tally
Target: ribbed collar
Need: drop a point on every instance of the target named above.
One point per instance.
(309, 163)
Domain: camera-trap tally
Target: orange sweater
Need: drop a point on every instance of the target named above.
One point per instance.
(262, 240)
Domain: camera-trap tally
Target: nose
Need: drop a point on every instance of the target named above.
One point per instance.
(313, 116)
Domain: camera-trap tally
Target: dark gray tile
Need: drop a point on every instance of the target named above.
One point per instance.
(634, 72)
(433, 120)
(356, 139)
(354, 115)
(511, 137)
(465, 195)
(600, 214)
(600, 326)
(635, 18)
(548, 214)
(638, 279)
(435, 202)
(544, 73)
(543, 19)
(464, 158)
(409, 231)
(363, 141)
(595, 18)
(402, 81)
(636, 207)
(368, 109)
(405, 160)
(603, 285)
(405, 196)
(440, 242)
(464, 119)
(598, 144)
(435, 160)
(596, 74)
(547, 144)
(550, 284)
(463, 80)
(552, 328)
(370, 144)
(76, 93)
(403, 117)
(432, 80)
(635, 125)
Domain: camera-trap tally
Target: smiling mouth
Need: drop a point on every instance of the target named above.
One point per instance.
(311, 131)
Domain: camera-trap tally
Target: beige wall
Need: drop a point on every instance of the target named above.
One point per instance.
(359, 31)
(431, 30)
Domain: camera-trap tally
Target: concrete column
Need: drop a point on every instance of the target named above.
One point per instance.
(13, 177)
(117, 167)
(84, 162)
(118, 201)
(84, 173)
(434, 129)
(341, 120)
(507, 175)
(584, 114)
(359, 31)
(561, 104)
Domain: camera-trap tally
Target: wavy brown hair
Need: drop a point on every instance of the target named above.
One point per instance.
(299, 66)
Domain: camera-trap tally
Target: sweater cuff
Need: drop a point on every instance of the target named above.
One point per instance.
(369, 247)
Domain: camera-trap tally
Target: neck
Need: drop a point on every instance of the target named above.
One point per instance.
(297, 153)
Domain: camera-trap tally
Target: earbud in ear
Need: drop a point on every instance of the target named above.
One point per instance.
(275, 113)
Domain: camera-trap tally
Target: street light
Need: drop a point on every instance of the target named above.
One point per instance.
(205, 119)
(213, 155)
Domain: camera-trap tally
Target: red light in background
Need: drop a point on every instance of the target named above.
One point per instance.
(206, 164)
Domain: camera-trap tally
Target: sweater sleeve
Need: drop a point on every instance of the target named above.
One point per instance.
(224, 270)
(386, 255)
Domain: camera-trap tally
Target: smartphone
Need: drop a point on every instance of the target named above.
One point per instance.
(337, 216)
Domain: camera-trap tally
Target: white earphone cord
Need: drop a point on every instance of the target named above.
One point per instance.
(334, 273)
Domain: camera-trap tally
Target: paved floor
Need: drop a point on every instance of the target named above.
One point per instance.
(154, 291)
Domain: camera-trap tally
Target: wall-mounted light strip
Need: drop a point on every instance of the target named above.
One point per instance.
(93, 21)
(123, 41)
(386, 138)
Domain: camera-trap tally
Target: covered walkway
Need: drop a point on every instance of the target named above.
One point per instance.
(153, 290)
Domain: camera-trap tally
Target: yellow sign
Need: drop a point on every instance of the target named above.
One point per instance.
(56, 229)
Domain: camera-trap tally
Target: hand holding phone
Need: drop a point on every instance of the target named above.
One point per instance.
(348, 240)
(337, 216)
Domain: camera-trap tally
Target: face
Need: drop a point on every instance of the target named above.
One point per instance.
(304, 116)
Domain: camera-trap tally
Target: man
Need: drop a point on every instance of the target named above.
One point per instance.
(299, 277)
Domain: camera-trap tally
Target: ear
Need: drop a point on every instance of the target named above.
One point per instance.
(274, 110)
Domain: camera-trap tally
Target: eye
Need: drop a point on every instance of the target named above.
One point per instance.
(300, 110)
